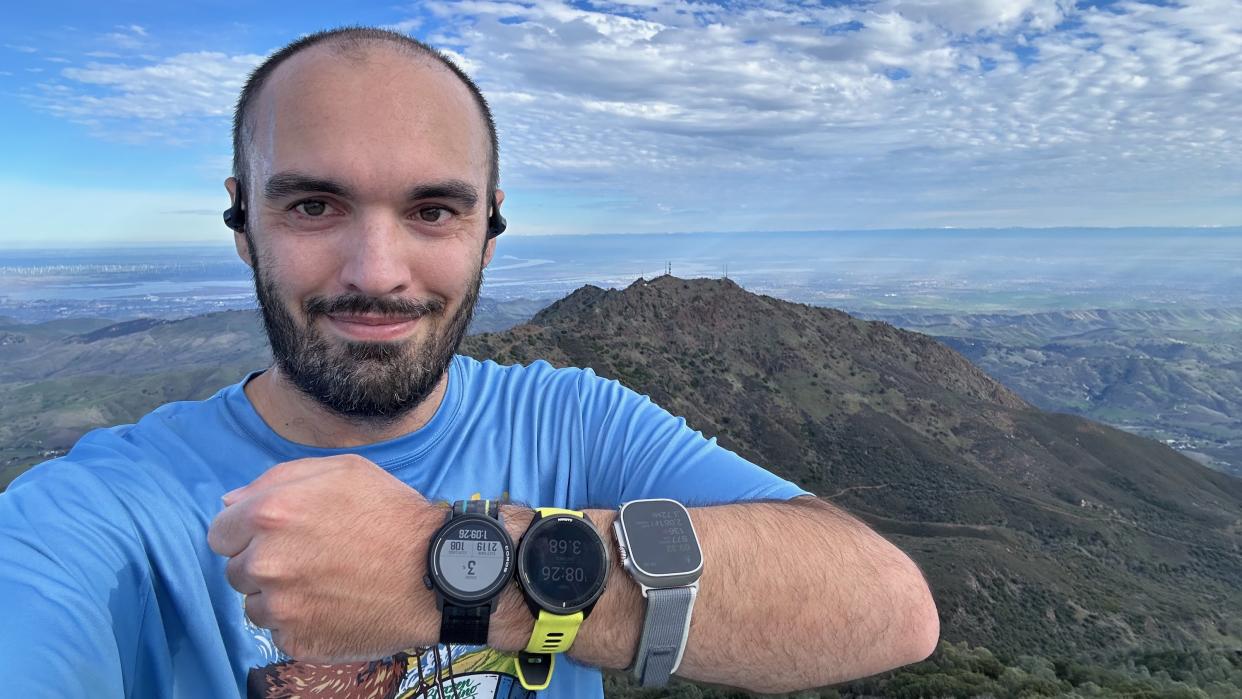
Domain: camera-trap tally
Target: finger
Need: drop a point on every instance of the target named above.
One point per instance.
(239, 571)
(255, 607)
(232, 530)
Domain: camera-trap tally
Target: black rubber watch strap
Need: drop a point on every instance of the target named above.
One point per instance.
(466, 625)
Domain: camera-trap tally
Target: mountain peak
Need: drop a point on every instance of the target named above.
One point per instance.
(1000, 503)
(781, 340)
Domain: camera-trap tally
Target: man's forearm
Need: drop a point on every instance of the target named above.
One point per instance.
(793, 595)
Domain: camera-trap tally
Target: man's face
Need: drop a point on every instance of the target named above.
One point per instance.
(368, 181)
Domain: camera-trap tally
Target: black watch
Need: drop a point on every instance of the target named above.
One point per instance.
(562, 569)
(469, 562)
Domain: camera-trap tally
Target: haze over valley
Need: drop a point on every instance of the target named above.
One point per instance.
(1138, 328)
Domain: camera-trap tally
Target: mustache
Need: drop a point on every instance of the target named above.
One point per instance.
(371, 305)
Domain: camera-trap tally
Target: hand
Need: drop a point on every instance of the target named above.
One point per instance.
(329, 553)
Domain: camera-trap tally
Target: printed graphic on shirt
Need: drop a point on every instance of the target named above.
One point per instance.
(471, 672)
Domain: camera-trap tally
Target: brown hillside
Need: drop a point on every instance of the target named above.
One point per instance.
(1038, 531)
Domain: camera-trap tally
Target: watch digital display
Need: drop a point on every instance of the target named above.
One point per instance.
(563, 563)
(661, 539)
(472, 557)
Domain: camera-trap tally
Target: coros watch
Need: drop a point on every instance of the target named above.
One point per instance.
(469, 562)
(562, 567)
(660, 550)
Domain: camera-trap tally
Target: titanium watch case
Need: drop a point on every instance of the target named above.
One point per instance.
(436, 580)
(657, 579)
(535, 598)
(632, 558)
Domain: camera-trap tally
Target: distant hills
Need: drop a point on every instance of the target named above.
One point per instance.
(61, 378)
(1040, 532)
(1174, 375)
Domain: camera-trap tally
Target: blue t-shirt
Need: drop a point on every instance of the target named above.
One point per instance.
(108, 587)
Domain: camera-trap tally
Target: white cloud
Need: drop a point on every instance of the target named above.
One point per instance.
(767, 114)
(165, 98)
(405, 26)
(128, 37)
(881, 110)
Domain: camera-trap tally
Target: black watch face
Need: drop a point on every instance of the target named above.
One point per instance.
(563, 563)
(660, 537)
(472, 557)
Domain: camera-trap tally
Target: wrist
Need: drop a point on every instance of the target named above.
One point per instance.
(512, 623)
(424, 614)
(609, 636)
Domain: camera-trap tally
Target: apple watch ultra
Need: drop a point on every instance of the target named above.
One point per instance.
(660, 550)
(562, 567)
(469, 562)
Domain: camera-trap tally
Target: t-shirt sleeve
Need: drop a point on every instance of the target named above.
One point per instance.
(638, 450)
(71, 594)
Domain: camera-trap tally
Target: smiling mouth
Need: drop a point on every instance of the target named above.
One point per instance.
(374, 328)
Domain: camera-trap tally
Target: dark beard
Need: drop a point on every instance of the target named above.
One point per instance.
(371, 382)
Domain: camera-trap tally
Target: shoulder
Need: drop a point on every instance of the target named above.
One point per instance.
(131, 459)
(487, 375)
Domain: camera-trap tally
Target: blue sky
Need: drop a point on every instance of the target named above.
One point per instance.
(668, 116)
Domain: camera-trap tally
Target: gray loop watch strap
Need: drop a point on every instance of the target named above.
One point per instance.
(665, 628)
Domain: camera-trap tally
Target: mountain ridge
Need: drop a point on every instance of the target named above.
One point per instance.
(1036, 529)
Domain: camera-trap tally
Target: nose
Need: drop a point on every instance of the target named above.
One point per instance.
(375, 255)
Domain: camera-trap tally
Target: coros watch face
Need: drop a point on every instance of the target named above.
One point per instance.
(563, 564)
(661, 539)
(472, 558)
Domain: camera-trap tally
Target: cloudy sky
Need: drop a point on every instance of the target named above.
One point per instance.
(655, 116)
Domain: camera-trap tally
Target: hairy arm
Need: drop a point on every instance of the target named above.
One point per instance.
(794, 595)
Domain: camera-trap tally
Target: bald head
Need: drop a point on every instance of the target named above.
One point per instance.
(350, 46)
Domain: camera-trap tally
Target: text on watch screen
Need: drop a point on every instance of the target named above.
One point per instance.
(661, 540)
(471, 557)
(564, 563)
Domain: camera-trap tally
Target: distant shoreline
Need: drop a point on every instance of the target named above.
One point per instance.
(225, 244)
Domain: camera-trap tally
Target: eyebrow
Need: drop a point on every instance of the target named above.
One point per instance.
(286, 184)
(459, 191)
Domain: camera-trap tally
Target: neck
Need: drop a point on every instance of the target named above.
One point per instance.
(299, 418)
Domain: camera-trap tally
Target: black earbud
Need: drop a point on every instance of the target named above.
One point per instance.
(235, 215)
(496, 224)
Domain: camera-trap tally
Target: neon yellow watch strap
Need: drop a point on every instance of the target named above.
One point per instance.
(554, 633)
(552, 511)
(534, 670)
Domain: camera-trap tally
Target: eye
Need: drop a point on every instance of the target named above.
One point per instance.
(311, 207)
(434, 214)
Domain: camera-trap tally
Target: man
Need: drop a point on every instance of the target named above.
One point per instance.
(273, 540)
